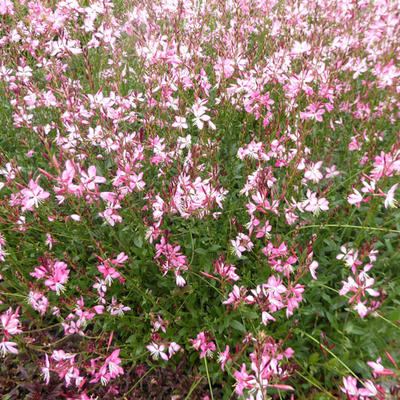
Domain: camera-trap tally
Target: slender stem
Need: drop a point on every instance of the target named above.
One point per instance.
(137, 383)
(208, 378)
(194, 386)
(388, 321)
(331, 353)
(43, 329)
(312, 382)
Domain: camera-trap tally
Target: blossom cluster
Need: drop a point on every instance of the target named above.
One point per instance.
(183, 177)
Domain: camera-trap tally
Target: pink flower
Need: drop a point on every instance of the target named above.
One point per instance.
(55, 272)
(355, 198)
(108, 271)
(224, 357)
(74, 217)
(113, 362)
(200, 116)
(313, 267)
(241, 244)
(265, 317)
(354, 144)
(159, 324)
(243, 379)
(390, 201)
(379, 369)
(369, 389)
(7, 347)
(204, 343)
(50, 240)
(117, 309)
(361, 309)
(109, 370)
(90, 179)
(173, 348)
(313, 172)
(6, 7)
(98, 309)
(350, 257)
(110, 214)
(58, 277)
(46, 370)
(33, 195)
(157, 351)
(300, 48)
(9, 172)
(350, 285)
(331, 172)
(369, 186)
(180, 123)
(225, 66)
(227, 272)
(350, 387)
(314, 204)
(10, 323)
(171, 259)
(237, 295)
(313, 111)
(179, 280)
(38, 301)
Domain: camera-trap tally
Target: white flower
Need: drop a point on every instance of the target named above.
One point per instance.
(390, 201)
(157, 351)
(313, 267)
(8, 347)
(313, 173)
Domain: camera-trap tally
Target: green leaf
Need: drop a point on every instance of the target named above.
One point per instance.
(138, 240)
(314, 358)
(237, 325)
(201, 251)
(355, 330)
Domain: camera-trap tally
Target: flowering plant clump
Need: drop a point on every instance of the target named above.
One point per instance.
(198, 199)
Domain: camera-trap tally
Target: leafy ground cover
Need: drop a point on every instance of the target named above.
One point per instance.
(198, 199)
